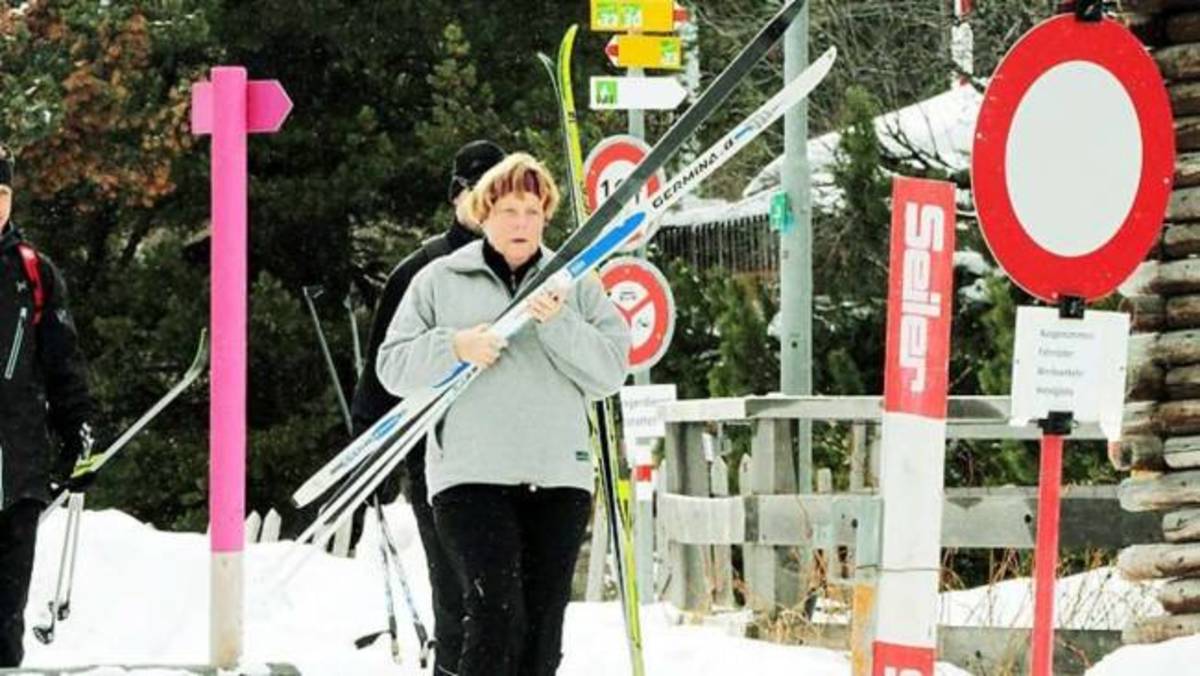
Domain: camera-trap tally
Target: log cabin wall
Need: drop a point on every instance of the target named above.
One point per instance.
(1161, 436)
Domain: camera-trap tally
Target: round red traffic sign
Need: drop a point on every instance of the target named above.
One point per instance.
(610, 163)
(1073, 158)
(643, 297)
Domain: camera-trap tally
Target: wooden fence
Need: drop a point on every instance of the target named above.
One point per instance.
(784, 524)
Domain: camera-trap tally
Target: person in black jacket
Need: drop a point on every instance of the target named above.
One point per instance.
(43, 388)
(372, 401)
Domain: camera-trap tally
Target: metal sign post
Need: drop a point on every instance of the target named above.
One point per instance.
(1072, 167)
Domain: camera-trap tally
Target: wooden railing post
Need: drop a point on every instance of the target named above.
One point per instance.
(769, 582)
(687, 475)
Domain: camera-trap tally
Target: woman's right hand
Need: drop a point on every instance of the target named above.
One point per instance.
(478, 346)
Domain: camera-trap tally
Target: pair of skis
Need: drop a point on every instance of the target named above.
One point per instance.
(389, 553)
(600, 415)
(367, 461)
(60, 605)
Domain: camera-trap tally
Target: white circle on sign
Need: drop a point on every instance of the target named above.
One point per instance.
(1074, 158)
(611, 177)
(632, 297)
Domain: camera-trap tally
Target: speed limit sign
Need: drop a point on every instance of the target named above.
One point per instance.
(610, 163)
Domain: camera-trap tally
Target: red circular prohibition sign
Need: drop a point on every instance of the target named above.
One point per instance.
(1040, 272)
(614, 149)
(658, 296)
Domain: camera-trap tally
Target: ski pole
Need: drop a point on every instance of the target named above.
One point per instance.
(60, 605)
(309, 295)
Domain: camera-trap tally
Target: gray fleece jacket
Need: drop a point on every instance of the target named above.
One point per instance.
(524, 419)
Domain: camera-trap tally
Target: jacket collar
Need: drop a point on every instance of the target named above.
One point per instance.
(10, 237)
(469, 259)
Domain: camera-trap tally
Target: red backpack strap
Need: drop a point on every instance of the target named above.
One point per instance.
(33, 271)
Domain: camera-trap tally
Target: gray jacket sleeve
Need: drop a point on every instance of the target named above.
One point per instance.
(588, 341)
(416, 352)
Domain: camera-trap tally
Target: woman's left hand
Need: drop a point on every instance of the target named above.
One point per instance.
(546, 305)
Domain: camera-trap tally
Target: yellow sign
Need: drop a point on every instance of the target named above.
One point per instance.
(618, 16)
(645, 51)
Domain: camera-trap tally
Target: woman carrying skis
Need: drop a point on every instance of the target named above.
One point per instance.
(508, 469)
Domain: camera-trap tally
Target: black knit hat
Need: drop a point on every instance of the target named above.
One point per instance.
(6, 166)
(471, 162)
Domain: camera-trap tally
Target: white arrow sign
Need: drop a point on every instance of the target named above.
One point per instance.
(636, 93)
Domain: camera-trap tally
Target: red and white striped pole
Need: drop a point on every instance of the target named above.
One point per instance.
(920, 289)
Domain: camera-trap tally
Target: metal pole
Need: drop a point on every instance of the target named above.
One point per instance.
(795, 250)
(796, 284)
(643, 510)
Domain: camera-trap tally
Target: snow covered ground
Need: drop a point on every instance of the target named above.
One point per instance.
(141, 597)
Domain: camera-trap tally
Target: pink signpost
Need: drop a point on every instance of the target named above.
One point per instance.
(227, 108)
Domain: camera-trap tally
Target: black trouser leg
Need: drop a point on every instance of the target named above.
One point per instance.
(479, 526)
(555, 521)
(443, 581)
(18, 537)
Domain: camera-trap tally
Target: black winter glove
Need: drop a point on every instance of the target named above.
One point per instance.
(72, 472)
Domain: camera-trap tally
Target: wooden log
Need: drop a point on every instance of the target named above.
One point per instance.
(1182, 28)
(1187, 165)
(1180, 240)
(1164, 491)
(1151, 29)
(1155, 6)
(1179, 62)
(1144, 382)
(1139, 418)
(1179, 418)
(1152, 562)
(1146, 313)
(1184, 205)
(1181, 452)
(1177, 277)
(1187, 129)
(1178, 348)
(1183, 312)
(1161, 628)
(1138, 283)
(1139, 451)
(1183, 382)
(1180, 596)
(1182, 526)
(1144, 375)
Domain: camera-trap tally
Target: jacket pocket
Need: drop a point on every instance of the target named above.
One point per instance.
(15, 353)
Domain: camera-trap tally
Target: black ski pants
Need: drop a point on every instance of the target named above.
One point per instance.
(18, 537)
(443, 581)
(514, 549)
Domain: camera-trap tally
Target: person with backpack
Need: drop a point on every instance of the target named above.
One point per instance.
(43, 389)
(371, 401)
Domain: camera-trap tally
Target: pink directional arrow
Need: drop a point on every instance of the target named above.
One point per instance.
(228, 108)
